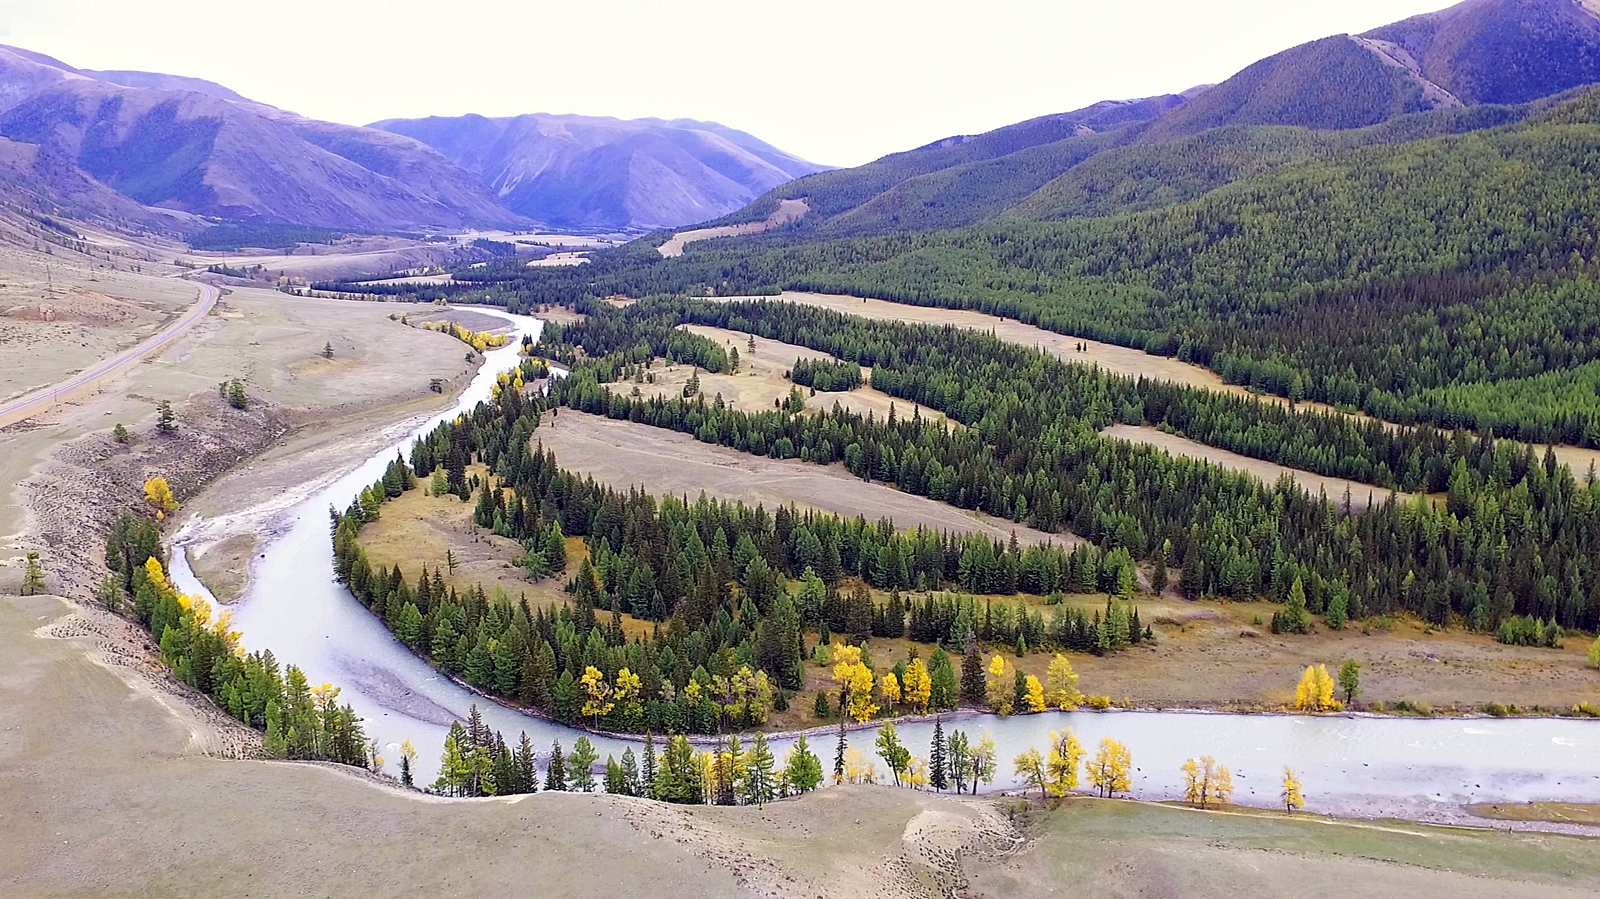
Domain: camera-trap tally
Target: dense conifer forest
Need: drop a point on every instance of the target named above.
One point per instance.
(1517, 534)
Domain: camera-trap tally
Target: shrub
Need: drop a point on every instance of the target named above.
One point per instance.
(1098, 703)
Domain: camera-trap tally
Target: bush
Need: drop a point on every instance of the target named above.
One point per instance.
(1495, 709)
(1098, 703)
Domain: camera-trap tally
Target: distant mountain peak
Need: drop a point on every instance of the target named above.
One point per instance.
(604, 173)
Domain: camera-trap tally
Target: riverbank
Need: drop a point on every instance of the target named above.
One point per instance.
(296, 829)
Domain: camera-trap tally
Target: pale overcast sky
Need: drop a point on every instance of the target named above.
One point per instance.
(834, 81)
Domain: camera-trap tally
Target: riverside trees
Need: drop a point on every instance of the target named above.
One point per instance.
(301, 720)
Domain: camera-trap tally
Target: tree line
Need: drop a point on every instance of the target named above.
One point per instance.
(1517, 535)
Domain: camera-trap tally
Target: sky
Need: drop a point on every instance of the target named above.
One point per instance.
(838, 82)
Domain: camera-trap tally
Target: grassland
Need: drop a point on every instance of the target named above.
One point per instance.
(1334, 488)
(626, 454)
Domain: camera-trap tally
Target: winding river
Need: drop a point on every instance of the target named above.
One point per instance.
(1367, 765)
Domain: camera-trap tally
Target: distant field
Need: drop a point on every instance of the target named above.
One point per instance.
(787, 211)
(416, 530)
(1110, 357)
(1333, 488)
(761, 379)
(625, 454)
(1133, 849)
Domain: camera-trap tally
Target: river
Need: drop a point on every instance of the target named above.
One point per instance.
(1373, 765)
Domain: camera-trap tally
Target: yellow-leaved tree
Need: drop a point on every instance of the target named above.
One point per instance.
(889, 689)
(1062, 763)
(1110, 771)
(855, 679)
(918, 686)
(1033, 695)
(1206, 782)
(1001, 687)
(159, 495)
(596, 694)
(1061, 685)
(1029, 767)
(1292, 798)
(1314, 693)
(626, 693)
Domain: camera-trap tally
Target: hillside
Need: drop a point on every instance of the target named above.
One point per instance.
(1433, 74)
(586, 172)
(1502, 51)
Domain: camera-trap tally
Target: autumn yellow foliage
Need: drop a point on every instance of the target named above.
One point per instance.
(1110, 769)
(1061, 685)
(856, 679)
(918, 686)
(159, 495)
(1206, 782)
(1000, 685)
(1033, 695)
(1314, 693)
(1292, 798)
(1062, 762)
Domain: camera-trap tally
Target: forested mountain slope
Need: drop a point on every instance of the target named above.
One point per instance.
(1450, 279)
(1503, 51)
(1423, 71)
(1068, 135)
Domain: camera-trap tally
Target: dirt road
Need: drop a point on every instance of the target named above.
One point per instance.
(41, 400)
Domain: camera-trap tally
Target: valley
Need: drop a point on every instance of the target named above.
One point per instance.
(1191, 494)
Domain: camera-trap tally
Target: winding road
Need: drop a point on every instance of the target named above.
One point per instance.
(40, 400)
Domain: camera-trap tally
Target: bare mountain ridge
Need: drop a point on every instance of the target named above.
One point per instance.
(199, 151)
(194, 146)
(590, 172)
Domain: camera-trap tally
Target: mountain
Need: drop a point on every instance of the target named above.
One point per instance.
(961, 179)
(583, 172)
(1502, 51)
(197, 147)
(1475, 65)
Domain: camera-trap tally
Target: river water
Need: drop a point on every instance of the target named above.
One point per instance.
(1388, 766)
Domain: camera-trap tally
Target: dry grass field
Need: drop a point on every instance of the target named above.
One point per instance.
(1269, 472)
(787, 211)
(1116, 359)
(625, 454)
(762, 381)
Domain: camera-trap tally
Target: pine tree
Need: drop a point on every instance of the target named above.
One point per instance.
(1350, 680)
(580, 766)
(759, 781)
(166, 420)
(821, 708)
(527, 765)
(802, 769)
(938, 777)
(648, 774)
(838, 755)
(630, 773)
(555, 774)
(973, 686)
